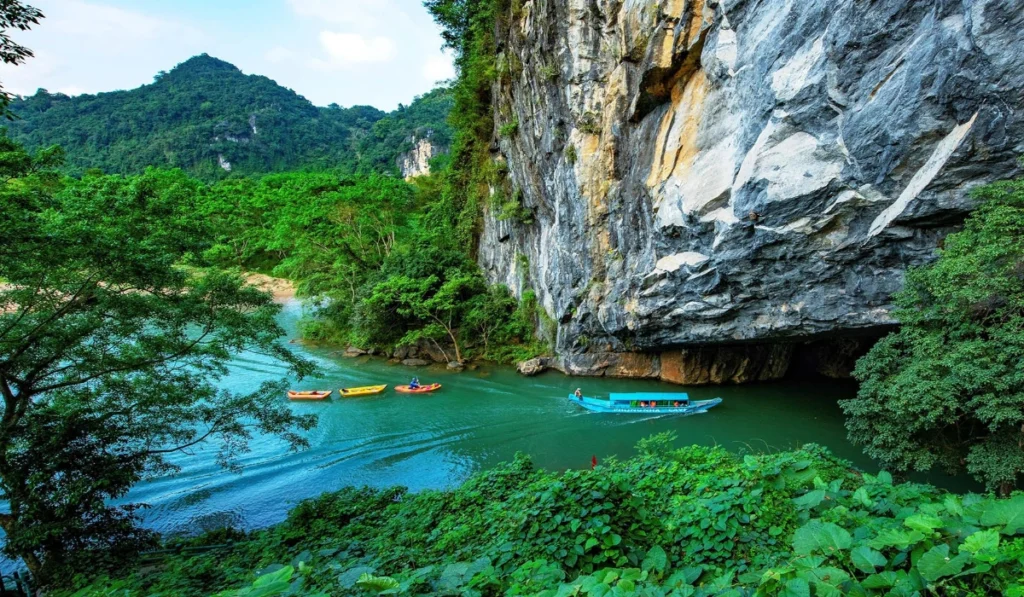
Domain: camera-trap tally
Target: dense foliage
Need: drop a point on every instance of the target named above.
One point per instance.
(205, 113)
(364, 247)
(947, 389)
(110, 350)
(693, 521)
(468, 28)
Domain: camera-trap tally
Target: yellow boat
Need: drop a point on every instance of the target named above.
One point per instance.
(363, 391)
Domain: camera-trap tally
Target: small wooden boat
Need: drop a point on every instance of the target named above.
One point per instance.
(646, 404)
(361, 391)
(419, 390)
(309, 395)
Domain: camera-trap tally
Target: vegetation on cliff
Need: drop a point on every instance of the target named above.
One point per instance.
(692, 521)
(205, 113)
(947, 389)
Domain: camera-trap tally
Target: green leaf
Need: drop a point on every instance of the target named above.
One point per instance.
(952, 504)
(590, 543)
(827, 580)
(283, 574)
(810, 499)
(936, 563)
(867, 559)
(981, 541)
(820, 537)
(1008, 513)
(656, 559)
(861, 496)
(377, 584)
(885, 478)
(897, 538)
(796, 587)
(882, 580)
(924, 523)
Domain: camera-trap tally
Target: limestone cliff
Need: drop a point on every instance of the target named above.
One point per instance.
(726, 180)
(416, 161)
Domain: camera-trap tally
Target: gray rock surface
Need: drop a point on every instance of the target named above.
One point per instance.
(415, 363)
(708, 173)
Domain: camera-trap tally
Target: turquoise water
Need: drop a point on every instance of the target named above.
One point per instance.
(479, 418)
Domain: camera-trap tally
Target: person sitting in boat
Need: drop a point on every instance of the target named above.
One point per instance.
(578, 393)
(414, 384)
(676, 404)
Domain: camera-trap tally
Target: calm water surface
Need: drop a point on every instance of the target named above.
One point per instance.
(479, 418)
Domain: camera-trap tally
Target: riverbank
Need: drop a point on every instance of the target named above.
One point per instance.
(282, 290)
(697, 520)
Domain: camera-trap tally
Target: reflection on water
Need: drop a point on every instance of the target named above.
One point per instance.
(478, 419)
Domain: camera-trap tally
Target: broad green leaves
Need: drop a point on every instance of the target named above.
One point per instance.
(867, 559)
(821, 537)
(923, 523)
(638, 527)
(981, 541)
(937, 563)
(1009, 514)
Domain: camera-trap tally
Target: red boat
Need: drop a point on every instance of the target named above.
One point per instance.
(420, 390)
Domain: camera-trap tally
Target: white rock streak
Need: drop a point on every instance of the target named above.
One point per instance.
(923, 177)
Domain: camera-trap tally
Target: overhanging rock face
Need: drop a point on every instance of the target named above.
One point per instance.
(707, 173)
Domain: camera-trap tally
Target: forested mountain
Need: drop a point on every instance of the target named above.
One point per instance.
(209, 118)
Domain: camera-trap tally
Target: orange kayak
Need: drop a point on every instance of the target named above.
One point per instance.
(419, 390)
(312, 395)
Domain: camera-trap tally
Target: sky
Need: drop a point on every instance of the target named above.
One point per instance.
(347, 52)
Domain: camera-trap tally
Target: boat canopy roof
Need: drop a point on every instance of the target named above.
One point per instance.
(648, 396)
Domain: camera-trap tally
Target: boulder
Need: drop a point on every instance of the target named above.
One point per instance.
(532, 367)
(415, 363)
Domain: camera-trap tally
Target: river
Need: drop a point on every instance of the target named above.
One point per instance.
(479, 418)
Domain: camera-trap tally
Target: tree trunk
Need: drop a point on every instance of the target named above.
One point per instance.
(32, 562)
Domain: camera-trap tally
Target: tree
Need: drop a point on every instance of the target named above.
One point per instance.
(438, 306)
(14, 15)
(947, 389)
(109, 353)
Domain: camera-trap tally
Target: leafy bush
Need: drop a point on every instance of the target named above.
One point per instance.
(691, 521)
(509, 129)
(947, 389)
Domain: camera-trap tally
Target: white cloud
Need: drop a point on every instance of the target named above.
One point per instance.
(114, 28)
(346, 49)
(439, 68)
(279, 55)
(362, 13)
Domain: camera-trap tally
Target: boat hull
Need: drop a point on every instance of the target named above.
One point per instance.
(606, 406)
(363, 391)
(309, 395)
(419, 390)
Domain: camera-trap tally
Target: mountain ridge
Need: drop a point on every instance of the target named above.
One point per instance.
(209, 118)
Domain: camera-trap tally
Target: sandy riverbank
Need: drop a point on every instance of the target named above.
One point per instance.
(283, 290)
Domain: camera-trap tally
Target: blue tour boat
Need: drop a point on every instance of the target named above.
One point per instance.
(649, 403)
